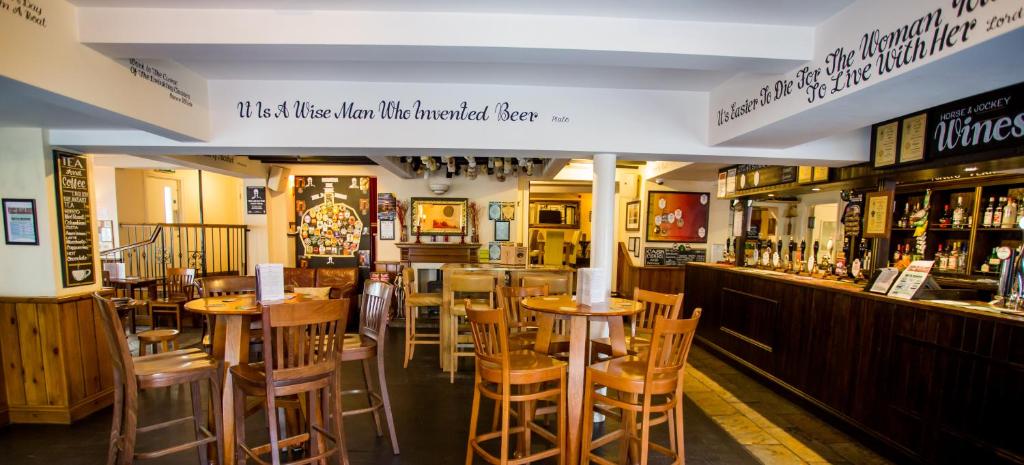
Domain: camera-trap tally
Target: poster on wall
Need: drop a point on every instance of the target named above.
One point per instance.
(255, 200)
(74, 219)
(20, 222)
(386, 209)
(333, 218)
(677, 216)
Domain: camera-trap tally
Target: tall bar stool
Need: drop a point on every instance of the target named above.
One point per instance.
(412, 304)
(638, 379)
(557, 283)
(500, 372)
(464, 285)
(218, 286)
(367, 345)
(522, 323)
(131, 374)
(303, 346)
(655, 304)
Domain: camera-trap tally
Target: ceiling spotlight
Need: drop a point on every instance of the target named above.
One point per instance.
(816, 189)
(971, 169)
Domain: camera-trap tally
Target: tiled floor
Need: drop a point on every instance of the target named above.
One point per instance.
(773, 429)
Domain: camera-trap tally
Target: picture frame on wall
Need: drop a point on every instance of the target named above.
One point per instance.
(439, 217)
(502, 231)
(20, 226)
(878, 214)
(633, 215)
(677, 216)
(636, 246)
(386, 231)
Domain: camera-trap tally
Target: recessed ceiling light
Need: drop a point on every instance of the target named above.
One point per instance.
(771, 195)
(815, 189)
(971, 169)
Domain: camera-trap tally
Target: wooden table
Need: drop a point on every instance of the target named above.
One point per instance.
(504, 274)
(550, 308)
(132, 284)
(231, 345)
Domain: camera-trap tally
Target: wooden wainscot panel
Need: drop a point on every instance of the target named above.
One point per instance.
(55, 368)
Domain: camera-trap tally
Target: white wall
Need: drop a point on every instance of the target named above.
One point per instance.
(105, 181)
(280, 210)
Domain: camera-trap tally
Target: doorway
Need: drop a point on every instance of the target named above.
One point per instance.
(162, 200)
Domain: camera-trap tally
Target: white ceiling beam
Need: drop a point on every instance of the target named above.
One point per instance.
(392, 164)
(275, 34)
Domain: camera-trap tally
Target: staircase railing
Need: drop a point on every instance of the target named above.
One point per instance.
(211, 249)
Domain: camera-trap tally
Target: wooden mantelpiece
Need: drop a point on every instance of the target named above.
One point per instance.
(438, 252)
(56, 364)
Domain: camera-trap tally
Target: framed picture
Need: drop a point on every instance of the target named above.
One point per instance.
(633, 244)
(677, 216)
(386, 231)
(878, 214)
(633, 216)
(636, 246)
(20, 226)
(439, 217)
(502, 231)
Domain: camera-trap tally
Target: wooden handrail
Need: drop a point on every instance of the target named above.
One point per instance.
(188, 225)
(151, 240)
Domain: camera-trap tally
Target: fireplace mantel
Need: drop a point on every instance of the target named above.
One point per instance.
(437, 252)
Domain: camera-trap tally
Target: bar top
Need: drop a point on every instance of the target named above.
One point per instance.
(970, 308)
(501, 267)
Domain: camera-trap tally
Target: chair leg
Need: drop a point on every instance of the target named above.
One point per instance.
(506, 413)
(315, 438)
(274, 427)
(239, 412)
(588, 419)
(453, 349)
(563, 456)
(131, 418)
(526, 418)
(679, 437)
(382, 384)
(369, 397)
(474, 417)
(115, 426)
(409, 336)
(339, 422)
(198, 419)
(218, 413)
(142, 348)
(645, 430)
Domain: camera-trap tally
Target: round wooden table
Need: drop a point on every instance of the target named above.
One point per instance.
(231, 345)
(550, 308)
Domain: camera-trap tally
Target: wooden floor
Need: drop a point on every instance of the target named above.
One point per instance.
(432, 418)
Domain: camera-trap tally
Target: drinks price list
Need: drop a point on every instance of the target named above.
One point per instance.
(76, 239)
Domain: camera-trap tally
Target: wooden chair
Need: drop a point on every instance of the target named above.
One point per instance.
(166, 339)
(462, 285)
(557, 283)
(500, 373)
(648, 384)
(303, 350)
(131, 374)
(367, 345)
(522, 323)
(412, 304)
(641, 327)
(178, 290)
(217, 286)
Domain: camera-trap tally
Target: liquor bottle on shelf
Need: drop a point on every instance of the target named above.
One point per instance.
(958, 213)
(947, 218)
(904, 221)
(1020, 211)
(997, 213)
(986, 221)
(941, 259)
(1009, 213)
(897, 255)
(994, 261)
(953, 259)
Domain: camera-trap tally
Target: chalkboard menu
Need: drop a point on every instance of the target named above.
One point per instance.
(656, 256)
(73, 218)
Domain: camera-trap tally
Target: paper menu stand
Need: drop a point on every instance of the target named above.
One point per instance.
(881, 280)
(912, 280)
(269, 282)
(116, 270)
(591, 286)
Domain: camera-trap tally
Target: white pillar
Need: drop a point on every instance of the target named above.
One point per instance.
(602, 227)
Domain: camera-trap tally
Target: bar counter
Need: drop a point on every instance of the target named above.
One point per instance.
(934, 382)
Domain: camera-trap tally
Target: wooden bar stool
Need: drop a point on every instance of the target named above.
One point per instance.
(557, 283)
(367, 345)
(178, 289)
(638, 380)
(506, 376)
(655, 304)
(463, 285)
(131, 374)
(166, 339)
(217, 286)
(413, 302)
(303, 346)
(522, 323)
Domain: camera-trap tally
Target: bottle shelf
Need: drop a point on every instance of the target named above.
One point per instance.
(936, 227)
(1000, 229)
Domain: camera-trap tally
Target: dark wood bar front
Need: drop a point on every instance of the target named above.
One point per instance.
(937, 383)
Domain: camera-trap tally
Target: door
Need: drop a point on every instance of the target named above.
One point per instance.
(162, 200)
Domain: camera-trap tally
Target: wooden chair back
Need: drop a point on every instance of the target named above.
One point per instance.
(179, 282)
(655, 305)
(557, 283)
(113, 332)
(473, 284)
(490, 335)
(304, 340)
(409, 281)
(670, 345)
(510, 301)
(373, 309)
(216, 286)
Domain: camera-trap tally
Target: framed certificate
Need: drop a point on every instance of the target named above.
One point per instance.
(878, 214)
(912, 138)
(884, 144)
(20, 226)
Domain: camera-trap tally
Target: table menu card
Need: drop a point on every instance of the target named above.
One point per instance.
(269, 282)
(591, 286)
(911, 279)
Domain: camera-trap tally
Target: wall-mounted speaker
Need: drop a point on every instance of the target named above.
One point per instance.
(278, 178)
